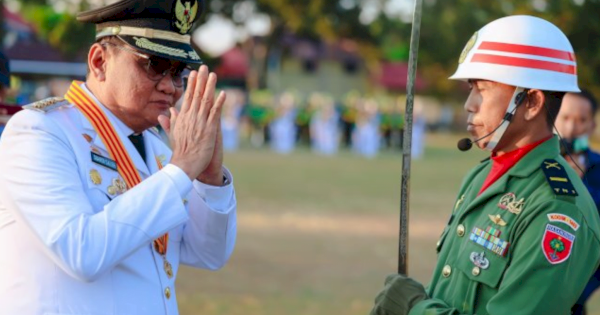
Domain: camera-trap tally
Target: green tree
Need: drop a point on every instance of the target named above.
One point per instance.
(61, 30)
(558, 246)
(448, 25)
(315, 19)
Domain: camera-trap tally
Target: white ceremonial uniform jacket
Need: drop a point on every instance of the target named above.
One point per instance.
(68, 247)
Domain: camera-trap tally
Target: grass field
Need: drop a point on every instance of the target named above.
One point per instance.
(318, 235)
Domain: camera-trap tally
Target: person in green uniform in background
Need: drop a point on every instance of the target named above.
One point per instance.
(523, 236)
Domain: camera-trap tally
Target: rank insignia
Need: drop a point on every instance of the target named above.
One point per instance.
(479, 260)
(47, 105)
(557, 244)
(510, 203)
(95, 177)
(104, 161)
(497, 219)
(490, 241)
(558, 179)
(559, 217)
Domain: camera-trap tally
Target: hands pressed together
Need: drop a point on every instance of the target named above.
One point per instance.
(195, 131)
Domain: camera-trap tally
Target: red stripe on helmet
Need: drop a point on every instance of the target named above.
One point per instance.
(524, 63)
(528, 50)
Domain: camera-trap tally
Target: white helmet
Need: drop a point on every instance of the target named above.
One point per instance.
(522, 51)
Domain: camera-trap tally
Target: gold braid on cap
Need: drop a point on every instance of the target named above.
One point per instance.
(142, 32)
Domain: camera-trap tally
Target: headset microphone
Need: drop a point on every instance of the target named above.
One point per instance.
(466, 144)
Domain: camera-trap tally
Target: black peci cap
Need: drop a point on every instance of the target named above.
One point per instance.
(160, 28)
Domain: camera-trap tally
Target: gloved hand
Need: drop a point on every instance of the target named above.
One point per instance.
(398, 296)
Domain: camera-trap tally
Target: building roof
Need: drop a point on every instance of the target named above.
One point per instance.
(29, 54)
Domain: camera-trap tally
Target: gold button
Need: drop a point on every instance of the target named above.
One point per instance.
(168, 293)
(460, 230)
(446, 271)
(476, 271)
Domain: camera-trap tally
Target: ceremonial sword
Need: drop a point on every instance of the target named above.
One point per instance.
(407, 142)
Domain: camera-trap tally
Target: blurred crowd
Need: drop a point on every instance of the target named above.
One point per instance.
(365, 125)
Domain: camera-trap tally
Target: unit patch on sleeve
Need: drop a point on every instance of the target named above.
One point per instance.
(557, 178)
(557, 244)
(559, 217)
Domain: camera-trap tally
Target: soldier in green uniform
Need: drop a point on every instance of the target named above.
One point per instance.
(523, 236)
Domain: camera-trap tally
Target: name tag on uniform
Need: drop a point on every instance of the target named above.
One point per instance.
(104, 161)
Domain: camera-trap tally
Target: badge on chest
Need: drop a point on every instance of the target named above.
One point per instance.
(489, 239)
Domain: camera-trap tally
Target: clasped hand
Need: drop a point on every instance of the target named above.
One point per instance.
(195, 131)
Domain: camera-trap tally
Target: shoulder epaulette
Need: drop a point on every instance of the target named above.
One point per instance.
(557, 178)
(46, 105)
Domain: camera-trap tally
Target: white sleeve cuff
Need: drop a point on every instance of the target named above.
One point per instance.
(182, 182)
(217, 198)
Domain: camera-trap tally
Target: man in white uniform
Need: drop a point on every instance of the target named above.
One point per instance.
(96, 212)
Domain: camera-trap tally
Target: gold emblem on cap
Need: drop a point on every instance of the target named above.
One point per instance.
(185, 15)
(116, 30)
(95, 177)
(470, 44)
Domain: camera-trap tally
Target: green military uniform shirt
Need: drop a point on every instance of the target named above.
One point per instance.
(527, 245)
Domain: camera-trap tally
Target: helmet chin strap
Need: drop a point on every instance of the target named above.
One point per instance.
(515, 101)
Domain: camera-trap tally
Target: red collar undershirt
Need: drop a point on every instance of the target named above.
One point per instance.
(501, 164)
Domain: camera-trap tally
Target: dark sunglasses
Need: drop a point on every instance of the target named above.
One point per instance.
(157, 68)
